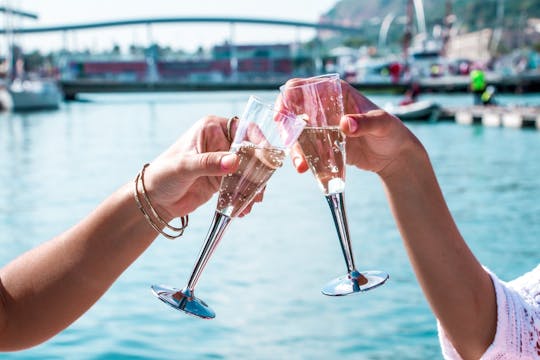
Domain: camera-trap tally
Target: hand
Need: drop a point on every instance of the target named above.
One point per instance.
(375, 138)
(187, 174)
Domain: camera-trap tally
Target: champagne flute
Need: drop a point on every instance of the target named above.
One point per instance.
(263, 137)
(319, 101)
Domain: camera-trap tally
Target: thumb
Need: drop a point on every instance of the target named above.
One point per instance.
(211, 163)
(374, 122)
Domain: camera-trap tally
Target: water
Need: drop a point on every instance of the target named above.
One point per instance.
(265, 278)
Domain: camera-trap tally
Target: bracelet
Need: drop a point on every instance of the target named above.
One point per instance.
(154, 217)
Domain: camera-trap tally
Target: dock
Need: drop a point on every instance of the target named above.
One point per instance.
(448, 84)
(525, 117)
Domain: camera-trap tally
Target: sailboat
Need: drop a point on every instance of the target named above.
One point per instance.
(21, 92)
(35, 94)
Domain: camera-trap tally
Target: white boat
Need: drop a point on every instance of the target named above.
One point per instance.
(37, 94)
(418, 110)
(20, 92)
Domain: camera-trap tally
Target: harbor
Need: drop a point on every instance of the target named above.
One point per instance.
(85, 103)
(437, 60)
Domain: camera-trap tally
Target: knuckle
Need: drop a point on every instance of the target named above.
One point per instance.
(212, 121)
(293, 81)
(378, 113)
(205, 161)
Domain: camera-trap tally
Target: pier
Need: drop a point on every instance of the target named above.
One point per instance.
(71, 88)
(494, 116)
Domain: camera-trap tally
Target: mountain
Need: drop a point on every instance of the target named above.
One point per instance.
(470, 15)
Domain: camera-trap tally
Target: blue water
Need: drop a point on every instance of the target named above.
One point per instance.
(265, 278)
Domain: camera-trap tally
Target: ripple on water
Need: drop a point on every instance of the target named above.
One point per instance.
(265, 278)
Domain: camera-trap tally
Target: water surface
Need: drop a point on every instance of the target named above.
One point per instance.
(265, 278)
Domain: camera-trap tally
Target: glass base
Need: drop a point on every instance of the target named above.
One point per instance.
(183, 300)
(355, 282)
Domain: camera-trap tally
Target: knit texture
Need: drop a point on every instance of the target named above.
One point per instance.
(518, 320)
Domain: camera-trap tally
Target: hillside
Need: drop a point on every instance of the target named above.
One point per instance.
(470, 15)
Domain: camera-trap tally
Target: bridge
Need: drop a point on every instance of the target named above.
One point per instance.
(72, 87)
(171, 20)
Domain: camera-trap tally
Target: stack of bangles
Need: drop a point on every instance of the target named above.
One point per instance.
(152, 216)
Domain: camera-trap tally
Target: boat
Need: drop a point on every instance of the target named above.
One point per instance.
(415, 111)
(22, 92)
(37, 94)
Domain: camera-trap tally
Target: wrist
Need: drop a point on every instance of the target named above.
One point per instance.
(160, 222)
(411, 158)
(151, 187)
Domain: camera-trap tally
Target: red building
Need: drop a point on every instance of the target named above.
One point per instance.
(243, 62)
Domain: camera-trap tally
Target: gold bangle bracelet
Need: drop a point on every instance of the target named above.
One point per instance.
(154, 216)
(184, 219)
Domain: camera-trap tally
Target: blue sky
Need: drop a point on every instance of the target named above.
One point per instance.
(54, 12)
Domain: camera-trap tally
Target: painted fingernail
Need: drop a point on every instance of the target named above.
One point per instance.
(228, 161)
(353, 125)
(297, 161)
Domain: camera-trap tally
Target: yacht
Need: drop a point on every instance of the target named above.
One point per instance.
(36, 94)
(22, 92)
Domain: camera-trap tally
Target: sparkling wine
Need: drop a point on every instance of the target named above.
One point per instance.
(256, 166)
(324, 149)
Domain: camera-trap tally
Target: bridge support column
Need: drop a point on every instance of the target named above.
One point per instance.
(233, 58)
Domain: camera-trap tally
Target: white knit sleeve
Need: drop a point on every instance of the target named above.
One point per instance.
(518, 321)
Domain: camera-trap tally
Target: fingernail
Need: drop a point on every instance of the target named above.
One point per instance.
(353, 125)
(228, 161)
(297, 161)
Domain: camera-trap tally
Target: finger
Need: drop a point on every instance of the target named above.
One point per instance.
(249, 207)
(298, 159)
(256, 199)
(279, 104)
(374, 122)
(255, 135)
(259, 197)
(295, 82)
(354, 101)
(246, 211)
(291, 97)
(210, 164)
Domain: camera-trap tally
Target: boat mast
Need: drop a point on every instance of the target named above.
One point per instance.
(9, 12)
(449, 20)
(407, 36)
(497, 34)
(420, 16)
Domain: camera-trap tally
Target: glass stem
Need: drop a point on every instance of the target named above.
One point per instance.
(215, 233)
(337, 207)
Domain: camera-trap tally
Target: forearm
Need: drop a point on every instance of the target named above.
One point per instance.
(45, 297)
(458, 289)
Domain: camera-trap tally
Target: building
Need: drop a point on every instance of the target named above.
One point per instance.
(226, 62)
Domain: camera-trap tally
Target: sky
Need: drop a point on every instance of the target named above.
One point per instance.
(185, 36)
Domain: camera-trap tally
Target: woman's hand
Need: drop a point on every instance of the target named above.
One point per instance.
(187, 174)
(375, 138)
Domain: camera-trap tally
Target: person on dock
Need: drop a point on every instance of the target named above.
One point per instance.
(47, 288)
(488, 96)
(395, 70)
(479, 316)
(477, 84)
